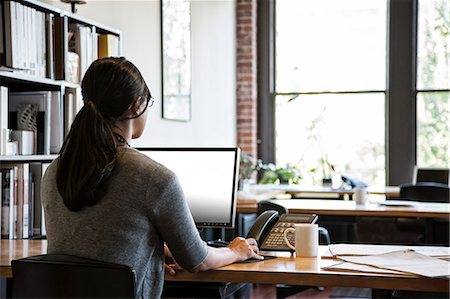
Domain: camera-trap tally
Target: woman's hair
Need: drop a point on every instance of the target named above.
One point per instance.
(110, 89)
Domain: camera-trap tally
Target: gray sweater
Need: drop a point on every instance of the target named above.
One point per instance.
(143, 208)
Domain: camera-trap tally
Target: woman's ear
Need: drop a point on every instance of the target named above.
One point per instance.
(136, 107)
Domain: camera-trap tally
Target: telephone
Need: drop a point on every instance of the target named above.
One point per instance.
(269, 228)
(352, 182)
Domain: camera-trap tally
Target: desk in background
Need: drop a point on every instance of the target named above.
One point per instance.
(350, 208)
(340, 217)
(284, 269)
(300, 191)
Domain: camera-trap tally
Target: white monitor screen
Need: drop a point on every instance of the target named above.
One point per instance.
(209, 178)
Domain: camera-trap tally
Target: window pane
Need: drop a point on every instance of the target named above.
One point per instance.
(433, 65)
(433, 129)
(347, 128)
(328, 45)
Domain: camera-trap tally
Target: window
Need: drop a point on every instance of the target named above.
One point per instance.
(433, 84)
(330, 88)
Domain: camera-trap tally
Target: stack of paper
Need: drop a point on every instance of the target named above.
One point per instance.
(366, 249)
(425, 261)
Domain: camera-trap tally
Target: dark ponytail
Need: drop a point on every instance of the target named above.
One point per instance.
(88, 155)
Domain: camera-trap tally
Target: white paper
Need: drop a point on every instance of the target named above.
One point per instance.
(399, 203)
(346, 266)
(363, 249)
(407, 261)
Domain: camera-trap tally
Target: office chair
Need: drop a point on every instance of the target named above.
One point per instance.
(433, 175)
(65, 276)
(265, 205)
(427, 191)
(406, 230)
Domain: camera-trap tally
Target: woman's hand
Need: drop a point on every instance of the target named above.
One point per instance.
(170, 264)
(245, 248)
(238, 250)
(171, 268)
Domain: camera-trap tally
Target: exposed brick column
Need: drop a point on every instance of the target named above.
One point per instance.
(246, 76)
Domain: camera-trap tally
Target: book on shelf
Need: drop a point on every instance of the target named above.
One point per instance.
(84, 42)
(78, 102)
(3, 119)
(12, 51)
(108, 45)
(43, 229)
(73, 102)
(56, 123)
(38, 42)
(7, 202)
(69, 112)
(41, 44)
(1, 201)
(26, 39)
(59, 55)
(50, 45)
(19, 210)
(2, 31)
(31, 200)
(37, 221)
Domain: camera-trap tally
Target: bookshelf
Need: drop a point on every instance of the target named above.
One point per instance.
(44, 52)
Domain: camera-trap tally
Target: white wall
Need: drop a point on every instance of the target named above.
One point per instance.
(213, 120)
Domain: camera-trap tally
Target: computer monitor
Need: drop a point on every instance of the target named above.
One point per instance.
(435, 175)
(209, 179)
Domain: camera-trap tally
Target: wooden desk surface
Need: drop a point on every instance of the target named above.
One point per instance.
(17, 249)
(307, 271)
(350, 208)
(284, 269)
(389, 191)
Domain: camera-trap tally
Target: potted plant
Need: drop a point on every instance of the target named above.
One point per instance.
(247, 170)
(288, 174)
(327, 168)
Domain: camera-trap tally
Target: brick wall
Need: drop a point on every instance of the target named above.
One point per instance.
(246, 76)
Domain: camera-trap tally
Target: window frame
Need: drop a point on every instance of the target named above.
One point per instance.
(401, 92)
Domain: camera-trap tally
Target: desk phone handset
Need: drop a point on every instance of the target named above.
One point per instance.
(269, 228)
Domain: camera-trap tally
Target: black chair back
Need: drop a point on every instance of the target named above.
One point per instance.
(428, 192)
(65, 276)
(433, 175)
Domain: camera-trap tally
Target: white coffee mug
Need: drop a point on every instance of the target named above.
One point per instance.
(306, 239)
(360, 195)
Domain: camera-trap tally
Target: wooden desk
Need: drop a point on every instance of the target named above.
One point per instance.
(284, 269)
(350, 208)
(304, 191)
(17, 249)
(308, 272)
(314, 191)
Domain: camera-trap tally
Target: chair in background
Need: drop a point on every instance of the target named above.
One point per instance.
(65, 276)
(433, 175)
(407, 230)
(427, 191)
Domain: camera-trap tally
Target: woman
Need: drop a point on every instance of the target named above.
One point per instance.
(106, 201)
